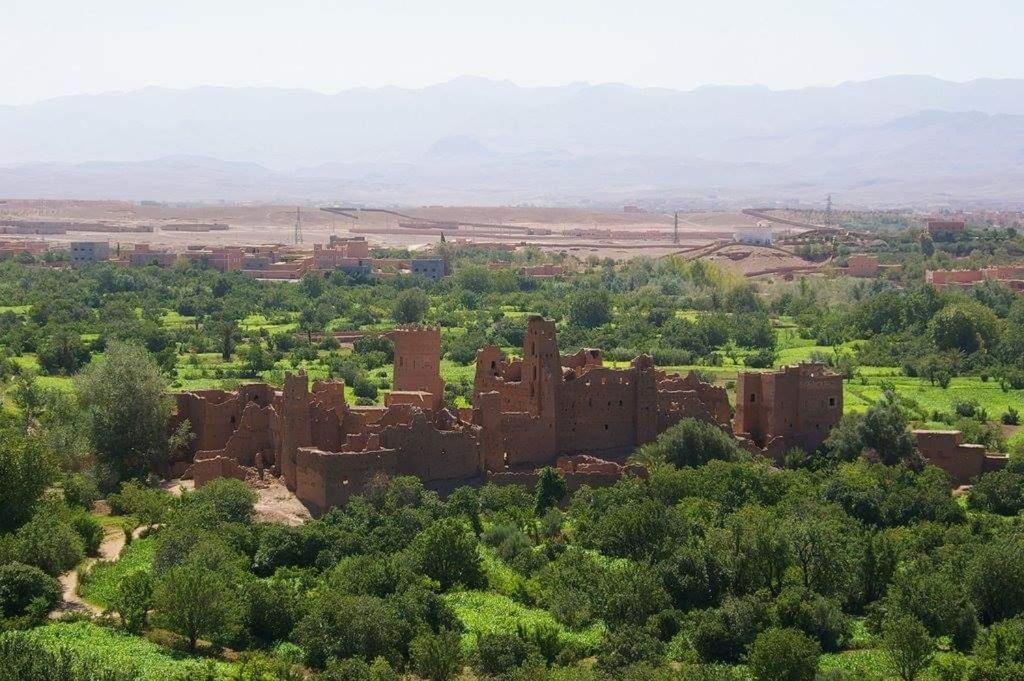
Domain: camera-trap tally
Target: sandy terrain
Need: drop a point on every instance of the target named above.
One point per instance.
(750, 260)
(263, 224)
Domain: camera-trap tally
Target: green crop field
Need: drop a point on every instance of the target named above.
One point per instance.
(123, 652)
(484, 612)
(100, 586)
(864, 390)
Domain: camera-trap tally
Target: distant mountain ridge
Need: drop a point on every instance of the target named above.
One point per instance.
(896, 140)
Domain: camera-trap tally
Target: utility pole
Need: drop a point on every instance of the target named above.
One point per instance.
(828, 211)
(675, 229)
(298, 224)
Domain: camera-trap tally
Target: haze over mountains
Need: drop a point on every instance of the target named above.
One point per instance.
(901, 140)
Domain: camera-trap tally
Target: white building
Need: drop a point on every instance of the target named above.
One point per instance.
(761, 235)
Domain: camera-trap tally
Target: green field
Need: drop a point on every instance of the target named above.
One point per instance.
(481, 612)
(100, 586)
(122, 651)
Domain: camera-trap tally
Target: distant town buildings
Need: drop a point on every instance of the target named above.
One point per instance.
(431, 268)
(761, 235)
(945, 229)
(13, 248)
(84, 253)
(861, 265)
(1011, 275)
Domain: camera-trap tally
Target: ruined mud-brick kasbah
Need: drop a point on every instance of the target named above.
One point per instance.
(545, 409)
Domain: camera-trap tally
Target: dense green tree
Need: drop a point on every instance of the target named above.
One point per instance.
(783, 655)
(126, 401)
(550, 489)
(629, 592)
(447, 551)
(907, 645)
(1000, 491)
(26, 470)
(589, 308)
(21, 585)
(342, 626)
(880, 432)
(194, 601)
(691, 443)
(49, 543)
(995, 577)
(437, 657)
(133, 600)
(410, 306)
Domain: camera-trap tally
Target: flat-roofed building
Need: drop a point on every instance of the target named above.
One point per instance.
(85, 253)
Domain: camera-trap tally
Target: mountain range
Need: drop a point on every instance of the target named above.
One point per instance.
(896, 141)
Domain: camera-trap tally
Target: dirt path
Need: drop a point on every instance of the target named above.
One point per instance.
(110, 550)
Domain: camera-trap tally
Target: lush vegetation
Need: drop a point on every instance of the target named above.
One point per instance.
(855, 561)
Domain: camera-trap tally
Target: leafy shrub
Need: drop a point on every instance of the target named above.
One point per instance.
(49, 543)
(783, 655)
(89, 529)
(21, 584)
(815, 616)
(691, 443)
(148, 505)
(438, 657)
(80, 490)
(627, 646)
(500, 653)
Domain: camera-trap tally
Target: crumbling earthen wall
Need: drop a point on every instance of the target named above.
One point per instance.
(554, 405)
(429, 453)
(963, 462)
(256, 435)
(328, 479)
(204, 470)
(215, 414)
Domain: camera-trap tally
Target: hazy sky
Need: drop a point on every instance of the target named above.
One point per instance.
(58, 47)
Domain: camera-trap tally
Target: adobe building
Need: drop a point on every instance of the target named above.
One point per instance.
(1011, 275)
(963, 462)
(860, 265)
(547, 405)
(946, 229)
(417, 366)
(569, 411)
(348, 254)
(430, 268)
(13, 248)
(795, 406)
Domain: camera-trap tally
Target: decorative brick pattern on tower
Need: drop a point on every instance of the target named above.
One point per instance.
(795, 406)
